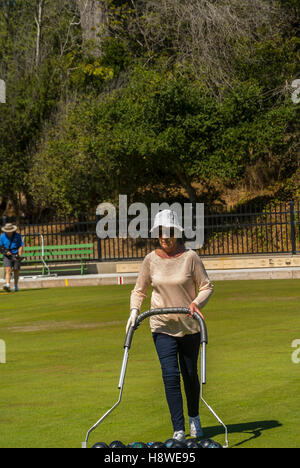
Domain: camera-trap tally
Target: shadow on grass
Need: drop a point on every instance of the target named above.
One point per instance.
(255, 430)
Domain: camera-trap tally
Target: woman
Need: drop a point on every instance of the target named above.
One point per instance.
(174, 273)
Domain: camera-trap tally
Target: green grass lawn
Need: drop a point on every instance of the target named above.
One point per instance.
(64, 349)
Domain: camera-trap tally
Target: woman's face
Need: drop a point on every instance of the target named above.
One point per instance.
(167, 240)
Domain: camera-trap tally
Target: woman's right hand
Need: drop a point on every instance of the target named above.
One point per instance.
(193, 309)
(132, 319)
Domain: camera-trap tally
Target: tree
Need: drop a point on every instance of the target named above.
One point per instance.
(38, 20)
(219, 42)
(93, 18)
(34, 66)
(123, 94)
(161, 130)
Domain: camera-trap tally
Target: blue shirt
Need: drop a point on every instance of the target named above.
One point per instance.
(16, 243)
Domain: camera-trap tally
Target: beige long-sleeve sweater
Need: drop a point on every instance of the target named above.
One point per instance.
(174, 283)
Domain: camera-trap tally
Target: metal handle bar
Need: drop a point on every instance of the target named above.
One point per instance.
(167, 311)
(127, 344)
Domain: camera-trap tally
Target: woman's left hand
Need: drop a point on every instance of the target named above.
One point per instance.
(193, 309)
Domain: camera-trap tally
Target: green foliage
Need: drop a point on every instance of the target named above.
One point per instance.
(159, 129)
(33, 89)
(31, 100)
(274, 62)
(80, 128)
(115, 54)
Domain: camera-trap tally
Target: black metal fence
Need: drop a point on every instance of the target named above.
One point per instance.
(255, 230)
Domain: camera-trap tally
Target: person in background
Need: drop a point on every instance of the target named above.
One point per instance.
(178, 279)
(11, 246)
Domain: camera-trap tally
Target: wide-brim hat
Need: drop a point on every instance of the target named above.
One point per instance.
(167, 219)
(9, 227)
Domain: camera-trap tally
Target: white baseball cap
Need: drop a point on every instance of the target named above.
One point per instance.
(167, 219)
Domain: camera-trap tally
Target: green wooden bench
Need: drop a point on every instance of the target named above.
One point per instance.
(65, 253)
(58, 254)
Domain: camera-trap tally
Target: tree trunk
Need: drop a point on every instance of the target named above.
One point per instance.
(38, 20)
(188, 187)
(93, 16)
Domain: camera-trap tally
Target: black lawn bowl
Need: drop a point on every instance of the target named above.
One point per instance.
(170, 442)
(100, 445)
(192, 443)
(139, 445)
(174, 443)
(156, 445)
(130, 445)
(209, 443)
(116, 444)
(179, 445)
(215, 444)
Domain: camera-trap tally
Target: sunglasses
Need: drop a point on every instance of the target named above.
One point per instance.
(166, 232)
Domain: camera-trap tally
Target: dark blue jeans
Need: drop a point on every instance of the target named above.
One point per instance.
(174, 352)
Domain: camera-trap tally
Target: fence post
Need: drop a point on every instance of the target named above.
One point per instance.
(293, 227)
